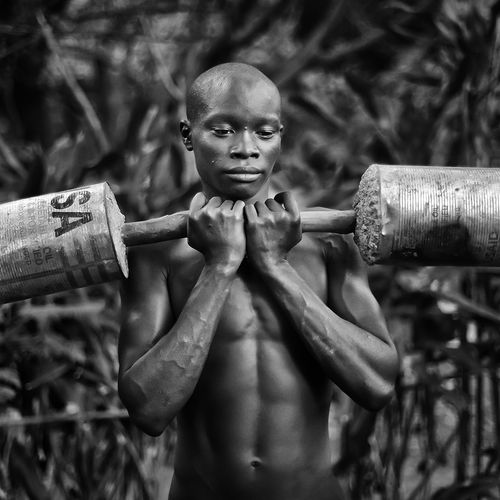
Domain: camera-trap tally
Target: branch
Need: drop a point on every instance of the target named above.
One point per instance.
(385, 138)
(466, 304)
(227, 41)
(61, 418)
(80, 97)
(19, 46)
(46, 311)
(131, 36)
(434, 458)
(308, 52)
(346, 50)
(163, 71)
(145, 8)
(266, 19)
(10, 158)
(310, 105)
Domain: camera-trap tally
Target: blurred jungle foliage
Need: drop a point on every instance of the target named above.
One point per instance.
(94, 91)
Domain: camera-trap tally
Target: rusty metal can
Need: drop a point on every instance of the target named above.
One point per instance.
(60, 241)
(429, 215)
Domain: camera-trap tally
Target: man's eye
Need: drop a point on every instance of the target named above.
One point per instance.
(222, 132)
(265, 134)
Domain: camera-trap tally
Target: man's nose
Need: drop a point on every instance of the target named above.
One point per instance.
(244, 147)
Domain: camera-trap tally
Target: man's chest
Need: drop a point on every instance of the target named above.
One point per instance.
(252, 305)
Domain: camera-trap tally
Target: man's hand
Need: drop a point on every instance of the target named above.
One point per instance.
(215, 228)
(272, 229)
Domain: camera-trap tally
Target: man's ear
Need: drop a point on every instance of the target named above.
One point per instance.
(185, 129)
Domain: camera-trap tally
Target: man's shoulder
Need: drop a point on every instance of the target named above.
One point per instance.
(331, 245)
(165, 255)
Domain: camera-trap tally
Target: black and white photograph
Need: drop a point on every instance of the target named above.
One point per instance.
(249, 250)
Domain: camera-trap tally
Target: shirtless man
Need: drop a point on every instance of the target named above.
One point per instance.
(243, 329)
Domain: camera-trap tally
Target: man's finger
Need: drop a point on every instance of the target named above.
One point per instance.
(250, 213)
(273, 205)
(214, 202)
(227, 205)
(261, 208)
(238, 206)
(198, 202)
(288, 201)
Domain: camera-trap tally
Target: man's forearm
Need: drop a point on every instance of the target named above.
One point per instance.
(160, 382)
(362, 363)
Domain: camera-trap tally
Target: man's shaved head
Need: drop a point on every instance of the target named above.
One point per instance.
(234, 130)
(220, 79)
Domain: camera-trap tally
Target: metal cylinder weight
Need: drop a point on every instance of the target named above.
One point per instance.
(60, 241)
(429, 215)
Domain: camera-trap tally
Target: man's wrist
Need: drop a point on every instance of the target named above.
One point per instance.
(227, 269)
(269, 264)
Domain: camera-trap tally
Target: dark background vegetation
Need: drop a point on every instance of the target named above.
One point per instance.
(93, 91)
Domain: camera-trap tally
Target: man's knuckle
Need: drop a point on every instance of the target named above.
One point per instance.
(210, 213)
(194, 217)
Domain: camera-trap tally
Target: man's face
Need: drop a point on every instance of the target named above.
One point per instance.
(236, 140)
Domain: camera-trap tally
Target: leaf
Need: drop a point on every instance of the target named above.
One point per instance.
(465, 356)
(6, 394)
(25, 471)
(479, 486)
(9, 384)
(50, 374)
(456, 398)
(9, 376)
(55, 345)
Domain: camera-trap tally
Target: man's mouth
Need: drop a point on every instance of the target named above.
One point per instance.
(243, 174)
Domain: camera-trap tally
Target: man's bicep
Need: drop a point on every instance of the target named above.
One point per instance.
(145, 307)
(349, 294)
